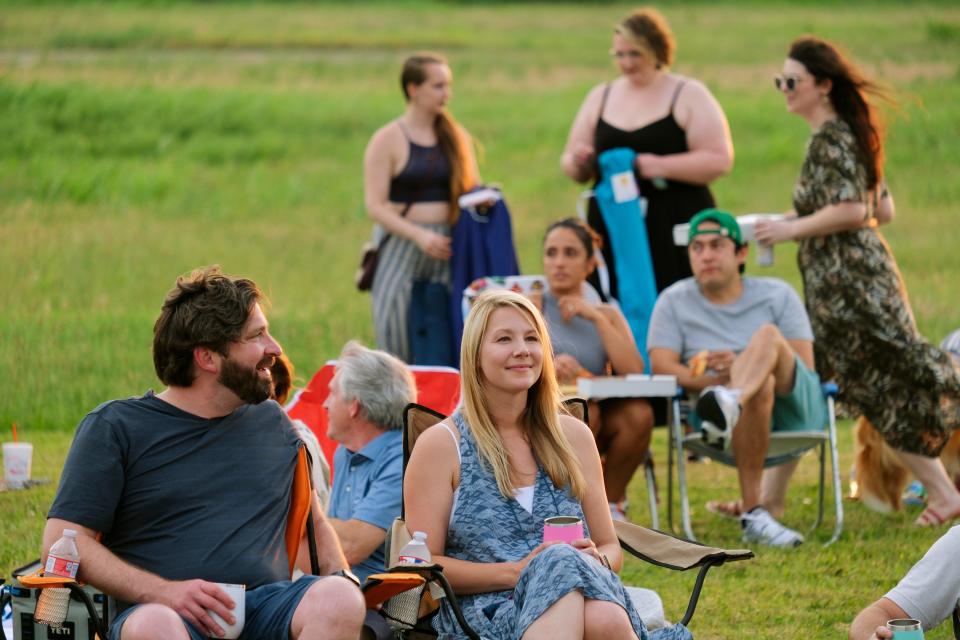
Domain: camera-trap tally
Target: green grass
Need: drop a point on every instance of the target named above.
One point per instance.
(139, 140)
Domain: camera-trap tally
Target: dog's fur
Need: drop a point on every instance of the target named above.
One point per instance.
(881, 477)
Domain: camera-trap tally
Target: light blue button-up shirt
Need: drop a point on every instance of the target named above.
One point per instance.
(368, 486)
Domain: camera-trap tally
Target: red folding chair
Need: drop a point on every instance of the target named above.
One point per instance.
(437, 388)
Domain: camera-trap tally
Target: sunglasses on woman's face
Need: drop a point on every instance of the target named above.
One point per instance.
(786, 82)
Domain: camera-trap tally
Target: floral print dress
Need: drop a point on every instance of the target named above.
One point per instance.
(866, 338)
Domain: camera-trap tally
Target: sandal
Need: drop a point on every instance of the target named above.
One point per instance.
(727, 509)
(931, 518)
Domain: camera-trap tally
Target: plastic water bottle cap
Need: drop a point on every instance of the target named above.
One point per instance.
(70, 533)
(419, 535)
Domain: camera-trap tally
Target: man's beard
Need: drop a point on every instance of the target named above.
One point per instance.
(245, 382)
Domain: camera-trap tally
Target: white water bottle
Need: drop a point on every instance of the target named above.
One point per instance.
(416, 551)
(64, 557)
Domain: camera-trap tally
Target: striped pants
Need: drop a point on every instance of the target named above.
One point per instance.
(401, 263)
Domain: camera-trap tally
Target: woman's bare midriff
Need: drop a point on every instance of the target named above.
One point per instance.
(426, 212)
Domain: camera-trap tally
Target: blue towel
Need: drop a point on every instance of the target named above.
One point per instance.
(428, 323)
(627, 232)
(482, 246)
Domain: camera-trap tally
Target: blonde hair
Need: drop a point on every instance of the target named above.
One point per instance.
(451, 137)
(540, 422)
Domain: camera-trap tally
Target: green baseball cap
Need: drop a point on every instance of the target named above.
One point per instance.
(728, 225)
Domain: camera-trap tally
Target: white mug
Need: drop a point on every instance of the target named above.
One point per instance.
(237, 593)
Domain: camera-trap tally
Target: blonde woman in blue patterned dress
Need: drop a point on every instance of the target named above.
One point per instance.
(866, 338)
(481, 483)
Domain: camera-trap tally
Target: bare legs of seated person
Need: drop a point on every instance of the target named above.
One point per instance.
(330, 608)
(622, 428)
(762, 371)
(574, 617)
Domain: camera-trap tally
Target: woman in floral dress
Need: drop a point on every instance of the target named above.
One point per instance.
(866, 338)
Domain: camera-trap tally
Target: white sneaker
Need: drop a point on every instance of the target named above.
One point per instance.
(759, 526)
(719, 409)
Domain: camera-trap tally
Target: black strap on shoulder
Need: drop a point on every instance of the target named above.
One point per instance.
(956, 622)
(603, 101)
(676, 94)
(406, 134)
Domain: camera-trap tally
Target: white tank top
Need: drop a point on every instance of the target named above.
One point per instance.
(523, 495)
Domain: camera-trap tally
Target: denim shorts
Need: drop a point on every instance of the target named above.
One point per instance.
(269, 611)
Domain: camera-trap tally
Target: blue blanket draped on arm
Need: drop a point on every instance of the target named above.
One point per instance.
(482, 246)
(619, 204)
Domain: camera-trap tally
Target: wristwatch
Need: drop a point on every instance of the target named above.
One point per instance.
(349, 575)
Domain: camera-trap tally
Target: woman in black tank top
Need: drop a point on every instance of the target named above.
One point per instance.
(674, 124)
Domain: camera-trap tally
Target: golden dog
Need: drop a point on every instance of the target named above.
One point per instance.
(881, 477)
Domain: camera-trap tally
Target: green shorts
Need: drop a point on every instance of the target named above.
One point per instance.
(803, 409)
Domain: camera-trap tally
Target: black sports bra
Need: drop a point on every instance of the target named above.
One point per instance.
(425, 177)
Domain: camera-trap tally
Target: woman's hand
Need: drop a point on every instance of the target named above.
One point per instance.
(587, 546)
(433, 244)
(648, 165)
(571, 306)
(522, 564)
(584, 155)
(773, 231)
(567, 368)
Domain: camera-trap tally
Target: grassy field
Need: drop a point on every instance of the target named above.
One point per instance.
(137, 142)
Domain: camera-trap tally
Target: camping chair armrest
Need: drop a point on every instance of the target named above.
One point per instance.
(380, 587)
(434, 572)
(667, 551)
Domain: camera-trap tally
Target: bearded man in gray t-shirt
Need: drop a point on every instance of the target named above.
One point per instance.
(746, 346)
(173, 492)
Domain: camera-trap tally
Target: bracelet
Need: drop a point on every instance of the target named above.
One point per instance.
(605, 560)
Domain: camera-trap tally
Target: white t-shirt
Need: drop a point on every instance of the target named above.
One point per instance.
(931, 589)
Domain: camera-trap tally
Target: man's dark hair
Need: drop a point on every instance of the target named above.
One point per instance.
(204, 309)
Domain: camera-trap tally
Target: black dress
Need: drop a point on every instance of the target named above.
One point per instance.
(666, 207)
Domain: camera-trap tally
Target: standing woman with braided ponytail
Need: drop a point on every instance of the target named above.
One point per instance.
(415, 168)
(866, 338)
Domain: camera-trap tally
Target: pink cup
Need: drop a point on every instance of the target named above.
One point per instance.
(562, 528)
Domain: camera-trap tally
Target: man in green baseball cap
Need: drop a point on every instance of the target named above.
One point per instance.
(746, 346)
(726, 226)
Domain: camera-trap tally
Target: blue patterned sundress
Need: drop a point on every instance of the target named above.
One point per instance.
(487, 527)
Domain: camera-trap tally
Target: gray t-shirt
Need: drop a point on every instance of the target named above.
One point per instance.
(931, 589)
(686, 322)
(183, 496)
(577, 337)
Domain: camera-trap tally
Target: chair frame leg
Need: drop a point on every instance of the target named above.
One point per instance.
(651, 491)
(820, 489)
(835, 463)
(677, 441)
(100, 623)
(458, 614)
(697, 588)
